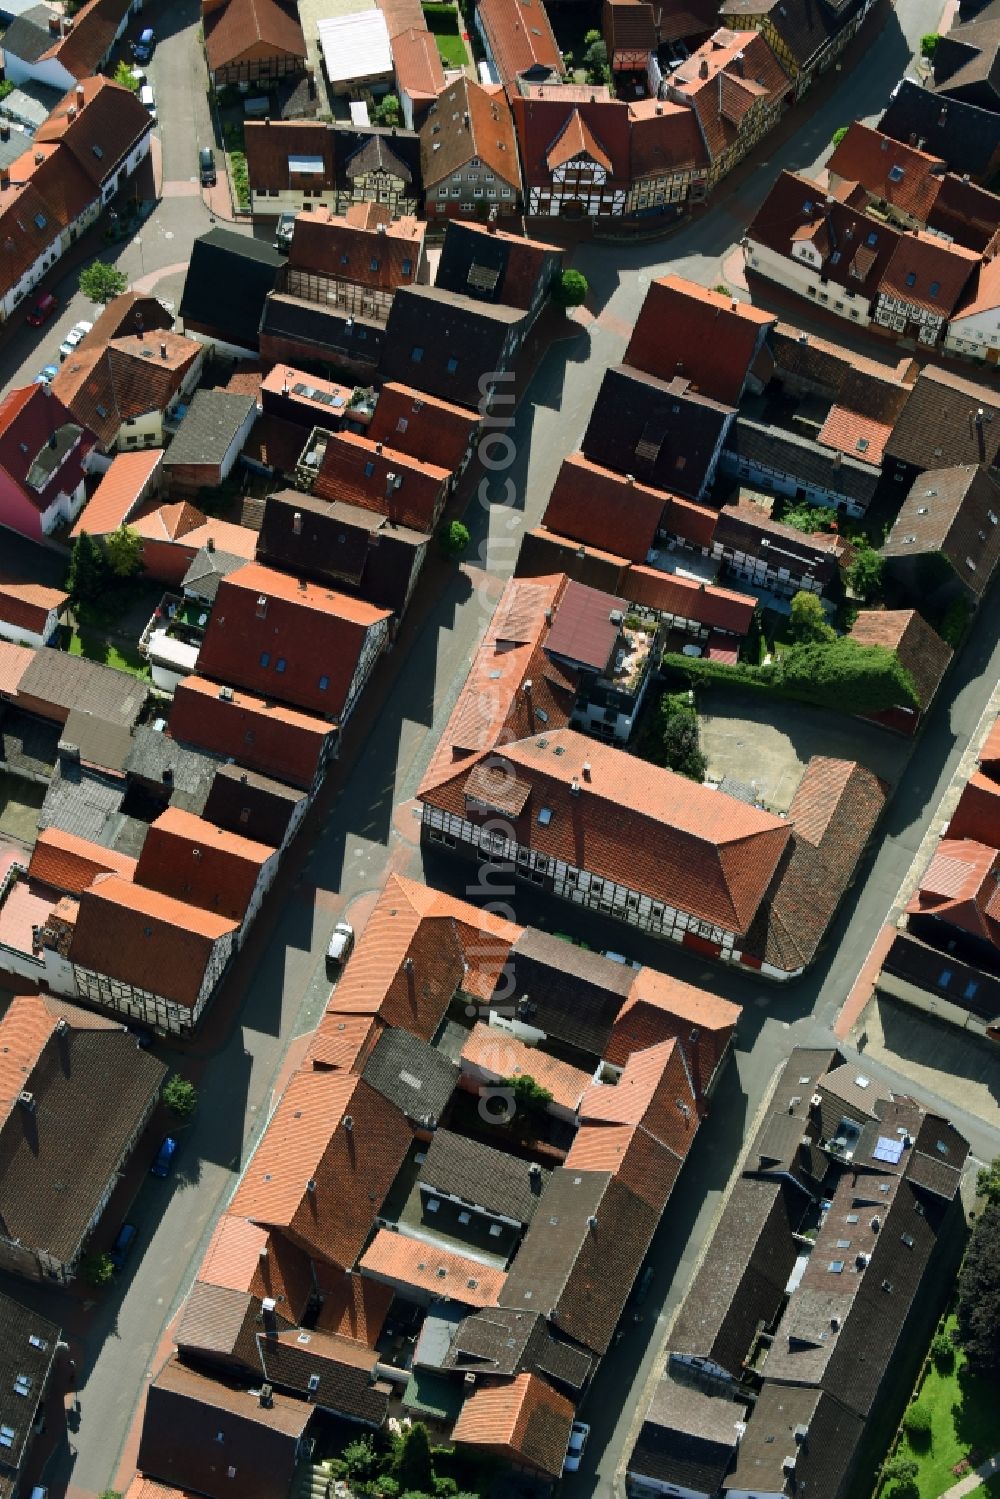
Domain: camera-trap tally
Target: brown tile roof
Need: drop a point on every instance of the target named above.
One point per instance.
(648, 1095)
(659, 1007)
(925, 271)
(605, 510)
(432, 431)
(129, 377)
(260, 28)
(732, 87)
(69, 863)
(131, 313)
(110, 118)
(417, 63)
(59, 179)
(919, 649)
(629, 25)
(241, 1256)
(303, 643)
(664, 139)
(337, 1374)
(27, 229)
(939, 428)
(949, 511)
(190, 859)
(495, 1054)
(889, 170)
(28, 605)
(518, 271)
(261, 1441)
(841, 375)
(255, 731)
(519, 36)
(354, 471)
(142, 1487)
(119, 493)
(353, 1306)
(447, 143)
(540, 120)
(710, 339)
(632, 1155)
(366, 246)
(446, 1273)
(146, 939)
(95, 26)
(668, 593)
(324, 1164)
(797, 207)
(57, 683)
(271, 146)
(525, 1421)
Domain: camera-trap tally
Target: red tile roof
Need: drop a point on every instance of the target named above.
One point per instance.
(95, 26)
(584, 629)
(960, 886)
(104, 386)
(324, 1164)
(354, 470)
(710, 339)
(70, 863)
(342, 1042)
(14, 662)
(353, 1306)
(254, 28)
(109, 117)
(495, 1054)
(667, 593)
(659, 1007)
(120, 492)
(604, 509)
(855, 433)
(417, 63)
(25, 1028)
(664, 139)
(431, 1267)
(940, 271)
(244, 1257)
(649, 1094)
(255, 731)
(146, 939)
(365, 246)
(194, 861)
(647, 828)
(433, 431)
(978, 812)
(302, 643)
(888, 169)
(519, 36)
(525, 1421)
(28, 605)
(447, 144)
(739, 71)
(28, 418)
(541, 118)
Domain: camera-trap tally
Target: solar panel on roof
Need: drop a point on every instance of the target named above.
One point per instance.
(887, 1150)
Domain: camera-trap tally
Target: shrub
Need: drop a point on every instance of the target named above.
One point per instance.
(838, 135)
(97, 1269)
(454, 538)
(671, 737)
(837, 674)
(123, 549)
(388, 111)
(808, 617)
(180, 1096)
(528, 1095)
(6, 87)
(942, 1351)
(988, 1182)
(722, 289)
(125, 77)
(898, 1469)
(358, 1459)
(917, 1425)
(240, 177)
(866, 574)
(955, 622)
(929, 44)
(571, 289)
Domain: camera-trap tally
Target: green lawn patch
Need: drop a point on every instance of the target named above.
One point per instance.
(963, 1410)
(451, 50)
(95, 648)
(446, 24)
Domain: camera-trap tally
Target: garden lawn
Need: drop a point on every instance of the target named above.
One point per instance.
(96, 648)
(451, 50)
(445, 23)
(963, 1410)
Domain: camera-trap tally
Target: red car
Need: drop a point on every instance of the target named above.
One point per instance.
(42, 310)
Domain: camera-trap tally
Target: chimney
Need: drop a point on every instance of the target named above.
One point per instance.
(210, 544)
(348, 1123)
(738, 62)
(79, 96)
(659, 109)
(297, 523)
(592, 1223)
(54, 29)
(266, 1396)
(378, 448)
(4, 131)
(837, 460)
(163, 351)
(574, 787)
(4, 177)
(586, 770)
(630, 478)
(407, 965)
(311, 1184)
(71, 112)
(26, 1100)
(465, 119)
(703, 70)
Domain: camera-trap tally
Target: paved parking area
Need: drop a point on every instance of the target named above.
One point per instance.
(960, 1067)
(767, 741)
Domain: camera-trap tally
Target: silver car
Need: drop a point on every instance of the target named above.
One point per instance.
(76, 334)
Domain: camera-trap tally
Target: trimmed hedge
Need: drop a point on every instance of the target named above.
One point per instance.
(840, 674)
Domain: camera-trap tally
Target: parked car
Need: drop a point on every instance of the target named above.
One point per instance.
(206, 167)
(78, 332)
(42, 310)
(579, 1433)
(47, 375)
(283, 233)
(164, 1163)
(339, 947)
(147, 100)
(122, 1247)
(143, 49)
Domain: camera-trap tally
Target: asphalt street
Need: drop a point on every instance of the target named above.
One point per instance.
(363, 825)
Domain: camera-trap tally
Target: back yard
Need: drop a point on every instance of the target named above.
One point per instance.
(445, 21)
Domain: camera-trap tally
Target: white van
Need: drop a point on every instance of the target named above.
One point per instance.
(146, 99)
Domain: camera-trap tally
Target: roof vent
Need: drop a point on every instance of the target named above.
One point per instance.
(266, 1396)
(297, 523)
(62, 1026)
(262, 606)
(27, 1100)
(574, 787)
(526, 688)
(470, 1380)
(268, 1306)
(348, 1123)
(225, 694)
(616, 617)
(311, 1184)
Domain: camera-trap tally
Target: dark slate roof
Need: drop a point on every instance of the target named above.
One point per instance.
(478, 265)
(63, 682)
(357, 550)
(445, 326)
(85, 802)
(688, 1437)
(503, 1185)
(938, 427)
(577, 1271)
(28, 744)
(28, 1349)
(774, 447)
(948, 511)
(571, 994)
(963, 135)
(207, 571)
(99, 741)
(185, 774)
(416, 1077)
(228, 278)
(964, 985)
(506, 1343)
(358, 152)
(322, 328)
(92, 1089)
(209, 427)
(28, 35)
(344, 1370)
(741, 1281)
(658, 430)
(804, 1424)
(255, 806)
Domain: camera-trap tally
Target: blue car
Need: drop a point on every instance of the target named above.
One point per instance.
(122, 1246)
(164, 1163)
(47, 375)
(143, 49)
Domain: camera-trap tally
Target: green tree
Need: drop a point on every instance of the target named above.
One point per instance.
(6, 87)
(529, 1096)
(88, 570)
(454, 538)
(123, 549)
(942, 1351)
(97, 1269)
(671, 737)
(592, 38)
(809, 622)
(722, 289)
(388, 111)
(595, 60)
(979, 1296)
(899, 1470)
(838, 135)
(180, 1096)
(111, 1494)
(571, 289)
(414, 1469)
(100, 281)
(358, 1459)
(125, 76)
(866, 574)
(929, 44)
(988, 1182)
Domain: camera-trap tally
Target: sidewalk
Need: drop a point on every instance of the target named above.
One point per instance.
(971, 1481)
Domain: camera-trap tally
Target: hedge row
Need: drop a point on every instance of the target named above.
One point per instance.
(840, 674)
